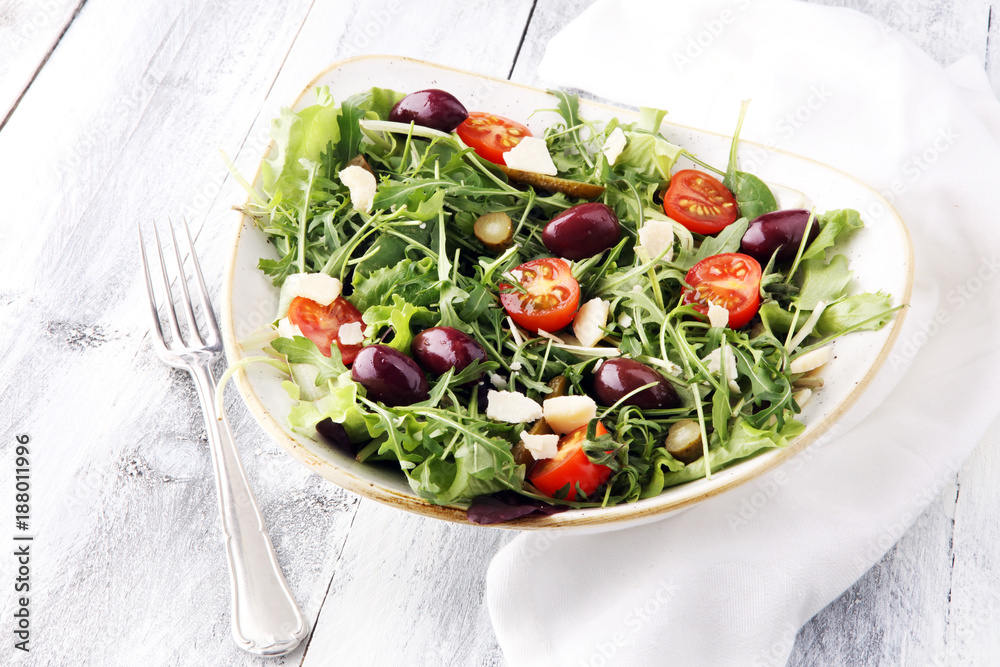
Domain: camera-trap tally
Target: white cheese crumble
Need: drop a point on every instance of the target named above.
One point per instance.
(540, 446)
(614, 145)
(362, 185)
(717, 315)
(288, 330)
(531, 154)
(656, 236)
(811, 360)
(498, 381)
(515, 332)
(547, 336)
(625, 321)
(512, 407)
(351, 334)
(515, 366)
(714, 365)
(568, 413)
(590, 321)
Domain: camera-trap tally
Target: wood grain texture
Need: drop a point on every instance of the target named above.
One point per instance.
(129, 568)
(29, 31)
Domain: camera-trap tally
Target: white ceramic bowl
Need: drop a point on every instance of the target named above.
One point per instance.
(880, 256)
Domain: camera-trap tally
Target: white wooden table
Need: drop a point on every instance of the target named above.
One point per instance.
(112, 112)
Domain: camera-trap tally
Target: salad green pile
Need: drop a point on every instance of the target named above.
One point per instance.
(414, 262)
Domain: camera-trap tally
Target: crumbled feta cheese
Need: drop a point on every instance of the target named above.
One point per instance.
(614, 145)
(811, 360)
(512, 407)
(362, 185)
(288, 330)
(541, 446)
(320, 287)
(498, 381)
(625, 321)
(351, 334)
(590, 321)
(515, 332)
(567, 413)
(714, 365)
(547, 336)
(531, 154)
(516, 366)
(717, 315)
(656, 236)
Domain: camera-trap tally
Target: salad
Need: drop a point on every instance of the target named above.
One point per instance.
(524, 324)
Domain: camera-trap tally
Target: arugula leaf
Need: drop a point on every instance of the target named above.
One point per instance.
(753, 197)
(728, 240)
(412, 281)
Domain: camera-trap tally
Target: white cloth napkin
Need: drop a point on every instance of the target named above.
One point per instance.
(732, 580)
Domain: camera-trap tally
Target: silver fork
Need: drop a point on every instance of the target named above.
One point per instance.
(266, 619)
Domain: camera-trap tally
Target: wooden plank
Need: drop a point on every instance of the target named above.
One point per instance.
(139, 563)
(894, 613)
(29, 31)
(408, 587)
(974, 610)
(547, 19)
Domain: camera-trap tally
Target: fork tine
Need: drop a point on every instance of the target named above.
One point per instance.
(206, 304)
(158, 339)
(165, 283)
(182, 279)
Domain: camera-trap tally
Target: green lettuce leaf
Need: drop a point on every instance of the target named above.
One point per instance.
(834, 226)
(822, 282)
(298, 136)
(853, 311)
(649, 154)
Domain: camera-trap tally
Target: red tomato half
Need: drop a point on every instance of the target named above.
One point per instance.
(730, 280)
(320, 324)
(490, 135)
(550, 295)
(699, 202)
(570, 466)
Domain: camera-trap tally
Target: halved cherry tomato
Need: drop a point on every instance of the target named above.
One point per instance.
(730, 280)
(321, 324)
(699, 202)
(550, 295)
(490, 135)
(570, 466)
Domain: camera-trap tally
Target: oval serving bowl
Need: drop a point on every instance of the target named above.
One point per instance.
(880, 256)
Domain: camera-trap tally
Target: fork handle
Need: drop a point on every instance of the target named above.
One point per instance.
(266, 619)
